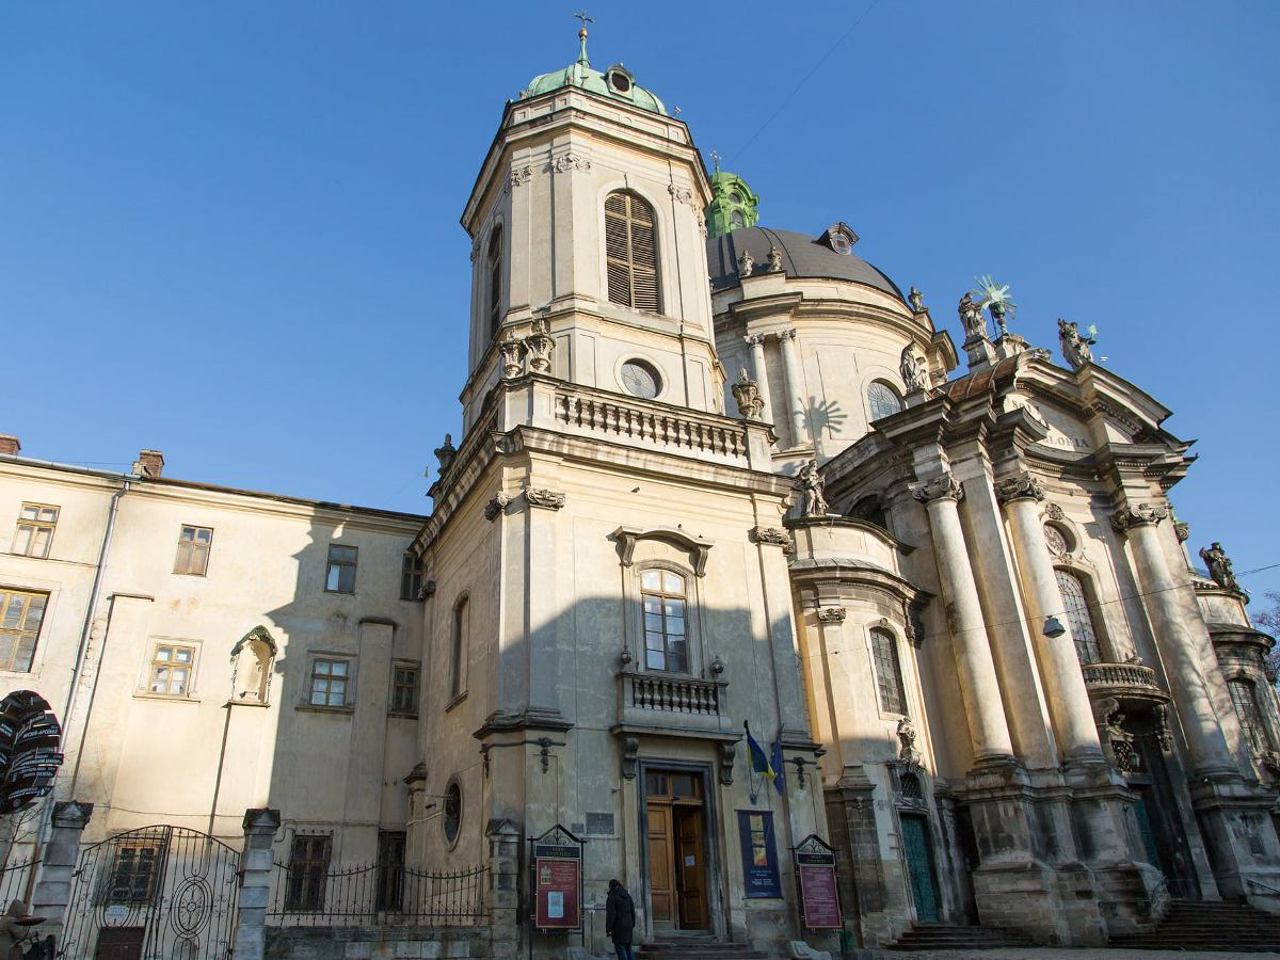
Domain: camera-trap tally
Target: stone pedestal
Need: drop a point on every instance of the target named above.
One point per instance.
(260, 826)
(61, 855)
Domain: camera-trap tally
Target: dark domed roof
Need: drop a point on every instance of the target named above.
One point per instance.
(802, 256)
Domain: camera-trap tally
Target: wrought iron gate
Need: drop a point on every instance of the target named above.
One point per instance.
(169, 891)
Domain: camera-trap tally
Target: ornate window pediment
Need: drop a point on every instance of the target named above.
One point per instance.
(696, 547)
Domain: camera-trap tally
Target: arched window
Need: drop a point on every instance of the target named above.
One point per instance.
(1244, 697)
(1079, 617)
(871, 510)
(494, 272)
(458, 649)
(631, 252)
(883, 400)
(664, 595)
(253, 657)
(884, 652)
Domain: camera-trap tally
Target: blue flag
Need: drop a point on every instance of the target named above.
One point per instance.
(780, 777)
(759, 762)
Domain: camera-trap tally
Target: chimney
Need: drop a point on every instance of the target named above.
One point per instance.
(150, 464)
(10, 446)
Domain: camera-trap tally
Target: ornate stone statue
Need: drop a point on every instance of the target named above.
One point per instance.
(746, 263)
(1219, 564)
(975, 324)
(510, 349)
(916, 299)
(775, 260)
(914, 374)
(747, 394)
(1074, 345)
(445, 453)
(811, 486)
(907, 741)
(538, 347)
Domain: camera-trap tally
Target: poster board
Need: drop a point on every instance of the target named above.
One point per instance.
(556, 860)
(759, 855)
(815, 862)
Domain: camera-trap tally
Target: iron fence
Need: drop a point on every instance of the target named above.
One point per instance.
(14, 881)
(312, 895)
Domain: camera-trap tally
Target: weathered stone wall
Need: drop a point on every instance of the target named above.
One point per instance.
(377, 943)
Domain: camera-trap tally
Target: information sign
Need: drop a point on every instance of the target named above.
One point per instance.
(557, 880)
(759, 854)
(29, 755)
(819, 896)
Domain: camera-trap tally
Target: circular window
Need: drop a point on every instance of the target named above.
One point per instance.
(840, 243)
(620, 82)
(452, 811)
(883, 400)
(1056, 539)
(640, 379)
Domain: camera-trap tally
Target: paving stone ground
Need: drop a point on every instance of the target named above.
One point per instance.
(1073, 953)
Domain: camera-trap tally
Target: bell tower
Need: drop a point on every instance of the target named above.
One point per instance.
(587, 226)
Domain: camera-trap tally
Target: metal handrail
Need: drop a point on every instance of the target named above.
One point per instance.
(1265, 886)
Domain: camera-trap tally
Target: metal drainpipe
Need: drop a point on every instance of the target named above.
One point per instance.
(77, 674)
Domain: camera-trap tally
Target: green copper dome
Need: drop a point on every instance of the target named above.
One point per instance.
(617, 83)
(733, 204)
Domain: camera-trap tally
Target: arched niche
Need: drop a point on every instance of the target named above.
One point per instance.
(251, 660)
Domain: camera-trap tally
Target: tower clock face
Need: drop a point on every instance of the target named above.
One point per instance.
(640, 379)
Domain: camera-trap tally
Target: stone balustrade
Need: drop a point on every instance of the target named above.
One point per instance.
(1125, 681)
(652, 425)
(689, 695)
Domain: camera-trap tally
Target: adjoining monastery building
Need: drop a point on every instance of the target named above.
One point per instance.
(711, 474)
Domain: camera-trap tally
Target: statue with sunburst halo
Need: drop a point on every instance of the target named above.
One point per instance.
(995, 298)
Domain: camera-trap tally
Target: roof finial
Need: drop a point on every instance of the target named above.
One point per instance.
(581, 17)
(715, 161)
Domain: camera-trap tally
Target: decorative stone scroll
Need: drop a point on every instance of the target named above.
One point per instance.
(944, 487)
(542, 497)
(696, 547)
(771, 535)
(569, 162)
(496, 506)
(1126, 518)
(1021, 486)
(832, 614)
(681, 194)
(519, 176)
(727, 753)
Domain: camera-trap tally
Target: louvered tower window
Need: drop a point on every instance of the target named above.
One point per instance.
(494, 264)
(631, 252)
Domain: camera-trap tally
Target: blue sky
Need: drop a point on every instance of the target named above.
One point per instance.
(230, 230)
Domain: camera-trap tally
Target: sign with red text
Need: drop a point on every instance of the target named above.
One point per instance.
(816, 872)
(557, 880)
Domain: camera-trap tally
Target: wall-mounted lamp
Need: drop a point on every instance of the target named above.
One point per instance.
(1053, 628)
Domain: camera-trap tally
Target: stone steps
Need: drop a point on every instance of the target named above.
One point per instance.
(936, 936)
(696, 948)
(1209, 925)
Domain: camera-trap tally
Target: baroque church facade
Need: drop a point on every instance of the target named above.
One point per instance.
(715, 481)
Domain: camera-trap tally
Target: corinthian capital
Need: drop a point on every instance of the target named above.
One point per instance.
(754, 339)
(1128, 517)
(1021, 486)
(945, 487)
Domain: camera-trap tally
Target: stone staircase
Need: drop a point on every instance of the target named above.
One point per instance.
(695, 947)
(938, 936)
(1209, 925)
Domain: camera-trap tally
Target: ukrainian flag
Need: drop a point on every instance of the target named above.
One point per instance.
(759, 759)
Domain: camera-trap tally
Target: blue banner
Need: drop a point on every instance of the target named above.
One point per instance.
(759, 854)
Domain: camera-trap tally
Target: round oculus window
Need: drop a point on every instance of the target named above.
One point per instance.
(840, 243)
(640, 379)
(620, 81)
(452, 812)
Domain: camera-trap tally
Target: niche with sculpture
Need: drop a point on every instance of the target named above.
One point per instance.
(251, 661)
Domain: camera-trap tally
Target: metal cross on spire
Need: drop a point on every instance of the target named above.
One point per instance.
(715, 160)
(581, 17)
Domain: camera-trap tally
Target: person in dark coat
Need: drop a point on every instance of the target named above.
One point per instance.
(620, 920)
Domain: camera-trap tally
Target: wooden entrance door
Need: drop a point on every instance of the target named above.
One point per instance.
(676, 822)
(119, 943)
(924, 886)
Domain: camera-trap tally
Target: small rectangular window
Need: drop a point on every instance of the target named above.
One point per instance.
(193, 551)
(390, 893)
(172, 665)
(21, 614)
(308, 873)
(134, 872)
(404, 688)
(410, 578)
(34, 535)
(340, 577)
(329, 682)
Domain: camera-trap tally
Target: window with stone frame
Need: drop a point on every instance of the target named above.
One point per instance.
(1079, 616)
(34, 533)
(21, 614)
(410, 577)
(340, 575)
(631, 252)
(194, 544)
(308, 872)
(883, 400)
(330, 682)
(172, 669)
(458, 641)
(884, 654)
(665, 604)
(493, 273)
(404, 689)
(1244, 698)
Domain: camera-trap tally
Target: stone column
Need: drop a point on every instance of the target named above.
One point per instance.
(1059, 666)
(795, 387)
(260, 826)
(61, 855)
(1175, 633)
(984, 707)
(758, 371)
(504, 889)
